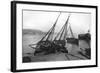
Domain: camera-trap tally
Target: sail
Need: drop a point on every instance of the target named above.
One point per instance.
(70, 33)
(50, 33)
(63, 32)
(70, 36)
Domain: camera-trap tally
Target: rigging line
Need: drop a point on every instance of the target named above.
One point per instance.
(71, 31)
(65, 26)
(53, 26)
(50, 32)
(45, 35)
(64, 35)
(65, 32)
(59, 33)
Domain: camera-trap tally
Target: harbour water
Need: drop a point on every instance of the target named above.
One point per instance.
(33, 39)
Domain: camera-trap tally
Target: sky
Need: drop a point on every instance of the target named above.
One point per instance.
(40, 20)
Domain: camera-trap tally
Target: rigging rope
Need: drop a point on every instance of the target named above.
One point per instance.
(52, 31)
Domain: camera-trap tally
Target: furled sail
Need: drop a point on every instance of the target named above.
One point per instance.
(48, 38)
(63, 32)
(60, 39)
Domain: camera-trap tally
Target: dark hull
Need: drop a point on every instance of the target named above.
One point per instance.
(72, 41)
(47, 47)
(85, 37)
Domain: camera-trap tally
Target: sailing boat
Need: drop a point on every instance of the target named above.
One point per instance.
(49, 45)
(46, 44)
(71, 39)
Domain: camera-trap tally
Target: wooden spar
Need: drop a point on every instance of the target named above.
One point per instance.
(71, 32)
(66, 28)
(54, 28)
(49, 32)
(65, 33)
(66, 23)
(52, 31)
(45, 35)
(59, 33)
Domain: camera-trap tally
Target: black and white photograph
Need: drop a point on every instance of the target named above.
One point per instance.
(56, 36)
(53, 36)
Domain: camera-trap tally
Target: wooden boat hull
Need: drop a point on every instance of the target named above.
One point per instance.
(51, 47)
(73, 41)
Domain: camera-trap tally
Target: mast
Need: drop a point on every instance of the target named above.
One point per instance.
(45, 35)
(64, 29)
(53, 28)
(71, 31)
(59, 33)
